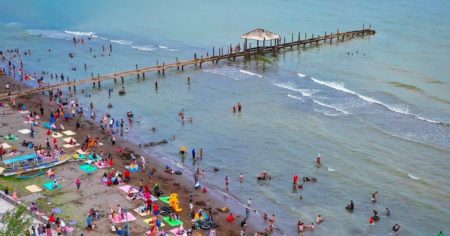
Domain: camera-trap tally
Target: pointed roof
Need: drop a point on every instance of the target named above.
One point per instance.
(260, 34)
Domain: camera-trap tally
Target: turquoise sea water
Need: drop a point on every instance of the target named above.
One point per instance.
(379, 118)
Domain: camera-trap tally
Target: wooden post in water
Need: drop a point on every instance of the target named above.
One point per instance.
(98, 83)
(178, 66)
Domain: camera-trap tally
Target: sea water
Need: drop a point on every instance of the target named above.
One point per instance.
(377, 109)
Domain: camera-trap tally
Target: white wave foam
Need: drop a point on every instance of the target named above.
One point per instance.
(122, 42)
(291, 86)
(295, 97)
(395, 108)
(301, 75)
(413, 177)
(144, 48)
(331, 169)
(163, 47)
(80, 33)
(250, 73)
(48, 34)
(330, 106)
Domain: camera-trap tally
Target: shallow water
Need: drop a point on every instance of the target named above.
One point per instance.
(379, 118)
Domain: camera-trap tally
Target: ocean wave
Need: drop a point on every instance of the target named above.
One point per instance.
(48, 34)
(162, 47)
(250, 73)
(413, 177)
(144, 48)
(301, 75)
(80, 33)
(330, 106)
(331, 169)
(295, 97)
(122, 42)
(291, 86)
(402, 109)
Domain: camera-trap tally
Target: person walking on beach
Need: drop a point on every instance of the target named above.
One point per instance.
(227, 180)
(78, 183)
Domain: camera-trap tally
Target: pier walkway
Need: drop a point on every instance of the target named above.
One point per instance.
(230, 55)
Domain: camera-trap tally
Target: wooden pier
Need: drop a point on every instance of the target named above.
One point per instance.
(230, 55)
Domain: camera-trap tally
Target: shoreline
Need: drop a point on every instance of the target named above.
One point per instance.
(170, 183)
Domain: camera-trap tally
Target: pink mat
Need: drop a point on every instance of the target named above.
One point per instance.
(126, 188)
(101, 166)
(175, 232)
(129, 215)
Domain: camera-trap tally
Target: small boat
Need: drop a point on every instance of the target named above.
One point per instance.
(30, 176)
(31, 163)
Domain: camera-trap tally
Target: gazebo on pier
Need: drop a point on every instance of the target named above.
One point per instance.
(259, 35)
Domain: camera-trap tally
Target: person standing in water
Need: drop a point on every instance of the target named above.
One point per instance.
(241, 178)
(156, 85)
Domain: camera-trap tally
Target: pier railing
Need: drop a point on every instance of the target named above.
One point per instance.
(230, 55)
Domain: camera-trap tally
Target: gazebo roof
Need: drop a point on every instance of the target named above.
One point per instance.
(260, 34)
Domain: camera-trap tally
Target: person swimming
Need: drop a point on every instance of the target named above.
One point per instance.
(374, 196)
(396, 228)
(351, 206)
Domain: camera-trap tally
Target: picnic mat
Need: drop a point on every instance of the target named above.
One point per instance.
(172, 222)
(67, 140)
(126, 188)
(88, 168)
(5, 146)
(11, 137)
(101, 166)
(68, 132)
(57, 135)
(47, 125)
(129, 216)
(165, 199)
(138, 211)
(33, 188)
(49, 185)
(24, 131)
(71, 146)
(80, 151)
(175, 232)
(147, 221)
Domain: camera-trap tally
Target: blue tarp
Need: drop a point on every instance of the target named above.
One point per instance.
(20, 159)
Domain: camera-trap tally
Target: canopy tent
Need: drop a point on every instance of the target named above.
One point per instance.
(20, 159)
(260, 34)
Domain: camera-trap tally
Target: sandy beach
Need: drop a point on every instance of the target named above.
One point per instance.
(73, 206)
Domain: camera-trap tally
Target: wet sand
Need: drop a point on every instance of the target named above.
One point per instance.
(93, 194)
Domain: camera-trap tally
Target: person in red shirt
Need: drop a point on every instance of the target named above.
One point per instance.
(230, 218)
(52, 218)
(127, 174)
(156, 209)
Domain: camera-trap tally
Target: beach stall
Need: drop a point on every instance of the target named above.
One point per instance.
(259, 35)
